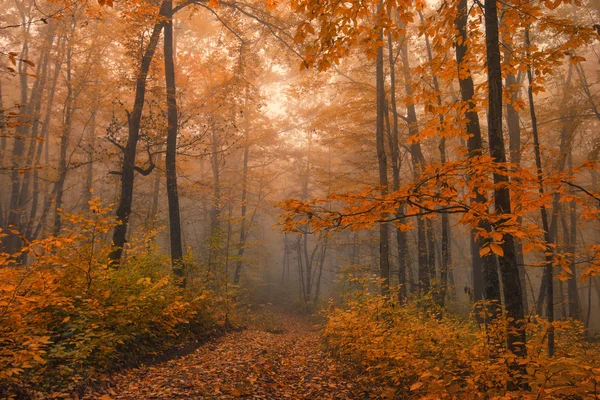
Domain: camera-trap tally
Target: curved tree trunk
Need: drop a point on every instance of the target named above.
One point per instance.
(134, 121)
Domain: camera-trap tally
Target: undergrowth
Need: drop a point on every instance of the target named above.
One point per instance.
(405, 351)
(67, 315)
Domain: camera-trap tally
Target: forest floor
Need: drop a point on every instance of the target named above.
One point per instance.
(279, 356)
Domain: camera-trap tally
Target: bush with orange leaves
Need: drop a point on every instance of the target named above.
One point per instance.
(66, 316)
(403, 351)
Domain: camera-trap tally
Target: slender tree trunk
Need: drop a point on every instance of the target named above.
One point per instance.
(418, 163)
(89, 176)
(14, 214)
(3, 135)
(511, 283)
(384, 262)
(514, 135)
(545, 225)
(65, 139)
(396, 164)
(35, 107)
(308, 261)
(566, 142)
(572, 290)
(3, 132)
(320, 274)
(156, 192)
(171, 152)
(242, 243)
(486, 284)
(215, 213)
(134, 121)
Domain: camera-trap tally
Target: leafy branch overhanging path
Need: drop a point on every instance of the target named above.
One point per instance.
(258, 363)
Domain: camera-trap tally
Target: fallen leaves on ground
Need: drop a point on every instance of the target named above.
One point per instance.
(256, 364)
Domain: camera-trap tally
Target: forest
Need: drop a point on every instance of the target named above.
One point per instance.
(299, 199)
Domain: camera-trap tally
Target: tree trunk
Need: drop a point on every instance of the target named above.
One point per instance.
(573, 293)
(134, 121)
(89, 176)
(384, 262)
(549, 241)
(511, 284)
(242, 243)
(171, 151)
(396, 164)
(566, 142)
(65, 139)
(514, 135)
(486, 284)
(418, 163)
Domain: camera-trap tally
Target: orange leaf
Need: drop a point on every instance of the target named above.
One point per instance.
(497, 249)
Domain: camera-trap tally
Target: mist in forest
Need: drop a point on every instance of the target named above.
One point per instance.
(406, 193)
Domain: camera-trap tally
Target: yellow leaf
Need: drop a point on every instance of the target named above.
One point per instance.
(415, 386)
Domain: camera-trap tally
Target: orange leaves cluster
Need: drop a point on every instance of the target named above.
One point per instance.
(406, 353)
(330, 29)
(450, 189)
(65, 315)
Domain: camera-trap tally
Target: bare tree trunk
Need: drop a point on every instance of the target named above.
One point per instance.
(89, 176)
(511, 284)
(396, 164)
(418, 163)
(14, 214)
(566, 142)
(171, 151)
(35, 107)
(384, 262)
(155, 193)
(215, 213)
(549, 241)
(134, 121)
(63, 163)
(3, 132)
(572, 290)
(486, 284)
(514, 135)
(321, 263)
(242, 242)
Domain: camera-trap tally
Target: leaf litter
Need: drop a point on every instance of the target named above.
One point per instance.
(286, 362)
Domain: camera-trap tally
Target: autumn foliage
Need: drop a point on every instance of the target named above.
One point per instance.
(403, 351)
(66, 316)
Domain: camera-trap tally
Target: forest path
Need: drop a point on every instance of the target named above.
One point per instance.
(279, 356)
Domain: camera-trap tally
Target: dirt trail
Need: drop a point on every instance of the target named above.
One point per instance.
(278, 357)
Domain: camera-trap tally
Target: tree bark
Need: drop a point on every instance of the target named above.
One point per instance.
(396, 164)
(511, 284)
(171, 151)
(572, 290)
(486, 284)
(544, 214)
(134, 121)
(242, 241)
(418, 163)
(514, 135)
(384, 262)
(446, 250)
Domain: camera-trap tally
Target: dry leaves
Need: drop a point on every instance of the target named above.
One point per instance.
(249, 364)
